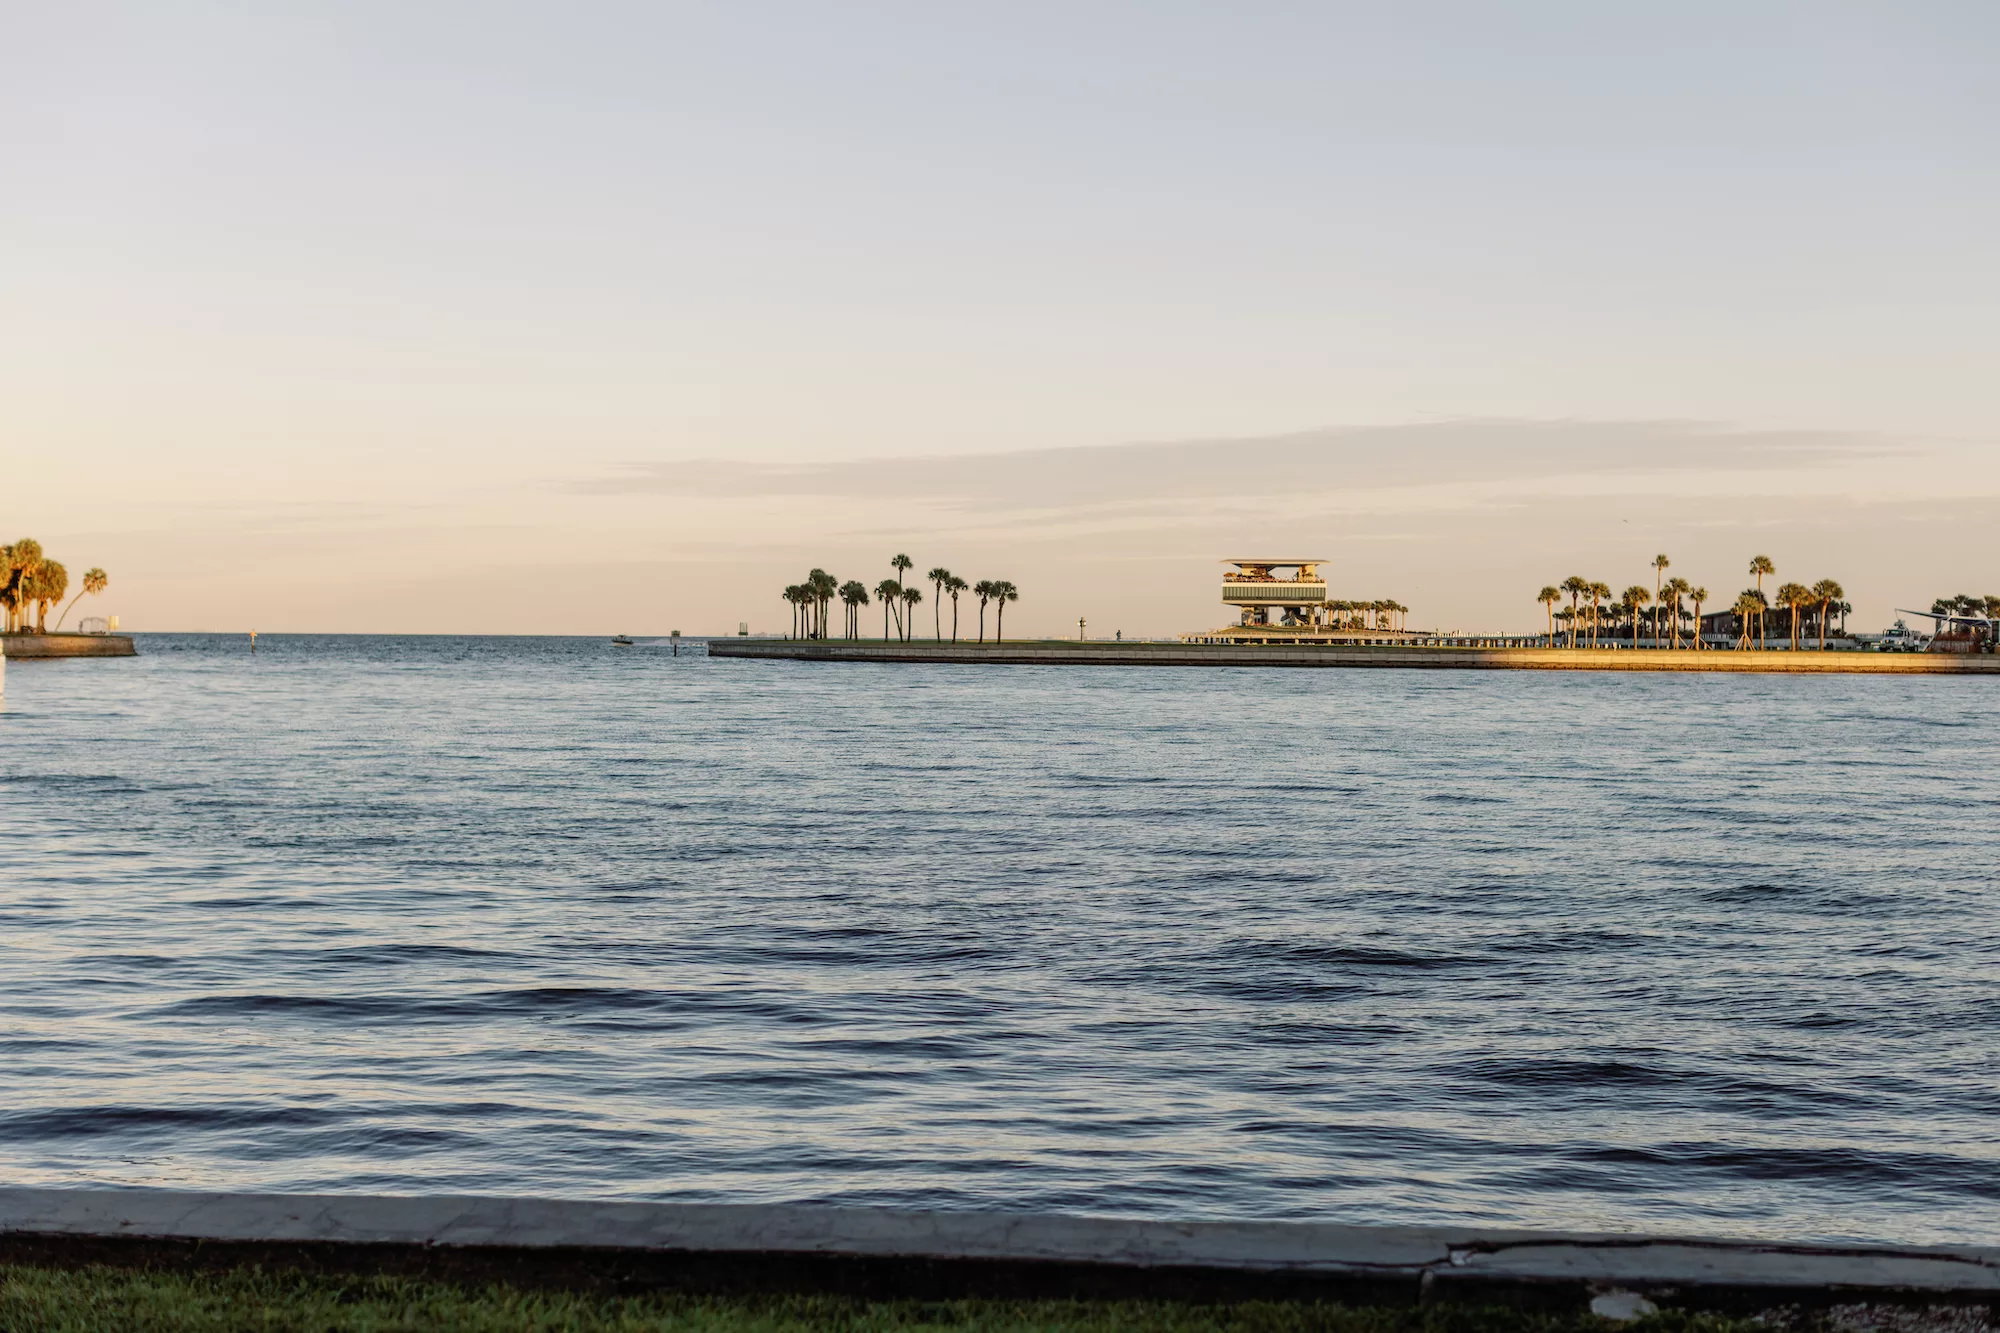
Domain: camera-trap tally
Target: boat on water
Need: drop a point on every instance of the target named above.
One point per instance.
(620, 641)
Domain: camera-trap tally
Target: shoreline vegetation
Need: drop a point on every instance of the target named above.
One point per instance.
(1594, 617)
(812, 603)
(1590, 602)
(30, 581)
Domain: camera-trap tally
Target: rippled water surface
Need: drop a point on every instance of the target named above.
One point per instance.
(545, 916)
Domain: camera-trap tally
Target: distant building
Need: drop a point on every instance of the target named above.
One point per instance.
(1285, 599)
(1259, 591)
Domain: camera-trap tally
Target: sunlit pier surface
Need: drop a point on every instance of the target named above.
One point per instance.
(1463, 653)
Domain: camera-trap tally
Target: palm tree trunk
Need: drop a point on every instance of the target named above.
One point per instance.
(66, 610)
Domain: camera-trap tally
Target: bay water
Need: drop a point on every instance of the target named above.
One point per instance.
(547, 916)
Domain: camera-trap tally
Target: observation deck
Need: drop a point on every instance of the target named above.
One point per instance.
(1285, 598)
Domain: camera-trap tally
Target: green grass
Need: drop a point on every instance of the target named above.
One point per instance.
(144, 1301)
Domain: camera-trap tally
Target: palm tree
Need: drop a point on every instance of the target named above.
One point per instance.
(823, 586)
(1660, 567)
(1003, 593)
(1749, 605)
(1697, 596)
(49, 583)
(1795, 597)
(902, 564)
(95, 581)
(1575, 585)
(1548, 597)
(954, 586)
(855, 594)
(1760, 565)
(1676, 588)
(1826, 592)
(911, 596)
(1599, 592)
(792, 596)
(983, 590)
(938, 577)
(1633, 599)
(887, 591)
(22, 559)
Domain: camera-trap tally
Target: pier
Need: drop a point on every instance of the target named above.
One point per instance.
(1071, 652)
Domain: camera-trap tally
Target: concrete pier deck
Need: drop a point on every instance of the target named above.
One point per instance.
(24, 647)
(878, 1251)
(1061, 652)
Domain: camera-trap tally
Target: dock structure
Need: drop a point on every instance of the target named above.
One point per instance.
(1431, 653)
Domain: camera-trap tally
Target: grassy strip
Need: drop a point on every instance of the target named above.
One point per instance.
(85, 1300)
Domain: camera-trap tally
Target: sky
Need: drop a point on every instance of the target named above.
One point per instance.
(590, 318)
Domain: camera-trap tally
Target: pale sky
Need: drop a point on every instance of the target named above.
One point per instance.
(586, 318)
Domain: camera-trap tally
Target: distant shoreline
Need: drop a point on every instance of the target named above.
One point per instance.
(1059, 652)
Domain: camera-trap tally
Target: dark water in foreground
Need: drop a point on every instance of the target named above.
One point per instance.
(1717, 954)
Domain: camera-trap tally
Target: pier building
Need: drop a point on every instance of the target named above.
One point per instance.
(1267, 592)
(1285, 599)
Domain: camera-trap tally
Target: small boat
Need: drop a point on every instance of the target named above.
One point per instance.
(620, 641)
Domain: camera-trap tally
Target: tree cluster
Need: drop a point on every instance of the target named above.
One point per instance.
(812, 602)
(1384, 613)
(29, 580)
(1591, 603)
(1982, 608)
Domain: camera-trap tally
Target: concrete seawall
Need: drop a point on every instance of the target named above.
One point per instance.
(1058, 652)
(889, 1252)
(26, 647)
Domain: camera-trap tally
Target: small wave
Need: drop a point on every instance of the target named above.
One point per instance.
(1352, 955)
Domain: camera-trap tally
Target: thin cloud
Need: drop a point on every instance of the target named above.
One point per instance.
(1514, 455)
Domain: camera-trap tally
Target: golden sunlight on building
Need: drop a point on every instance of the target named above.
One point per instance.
(1285, 599)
